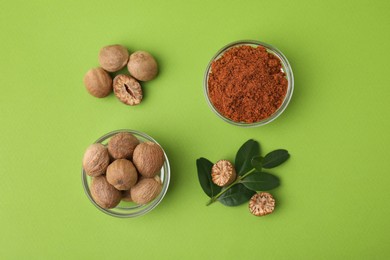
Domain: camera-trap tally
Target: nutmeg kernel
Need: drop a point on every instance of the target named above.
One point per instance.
(96, 160)
(122, 145)
(148, 158)
(103, 193)
(122, 174)
(262, 204)
(142, 66)
(223, 173)
(113, 57)
(98, 82)
(146, 190)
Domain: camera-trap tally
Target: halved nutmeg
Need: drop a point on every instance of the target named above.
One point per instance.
(223, 173)
(262, 204)
(127, 90)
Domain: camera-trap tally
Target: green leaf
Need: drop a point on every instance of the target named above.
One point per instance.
(275, 158)
(244, 156)
(204, 174)
(256, 163)
(236, 195)
(261, 181)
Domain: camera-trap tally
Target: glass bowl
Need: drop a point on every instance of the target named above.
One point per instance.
(130, 209)
(286, 68)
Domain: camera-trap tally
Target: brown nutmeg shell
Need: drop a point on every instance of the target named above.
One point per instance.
(104, 194)
(113, 57)
(96, 160)
(148, 158)
(146, 190)
(122, 174)
(122, 145)
(142, 66)
(98, 82)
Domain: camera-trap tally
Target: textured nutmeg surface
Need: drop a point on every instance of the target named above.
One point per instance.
(96, 160)
(142, 66)
(127, 90)
(146, 190)
(148, 158)
(122, 174)
(223, 173)
(113, 57)
(262, 204)
(122, 145)
(98, 82)
(103, 193)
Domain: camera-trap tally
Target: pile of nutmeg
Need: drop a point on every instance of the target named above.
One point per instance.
(125, 169)
(140, 64)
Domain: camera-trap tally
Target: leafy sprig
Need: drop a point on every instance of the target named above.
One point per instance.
(249, 166)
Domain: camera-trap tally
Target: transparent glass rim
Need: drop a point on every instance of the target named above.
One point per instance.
(136, 210)
(285, 66)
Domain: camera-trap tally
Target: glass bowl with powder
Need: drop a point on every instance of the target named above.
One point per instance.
(248, 83)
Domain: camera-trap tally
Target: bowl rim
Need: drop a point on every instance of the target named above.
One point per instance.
(287, 70)
(151, 205)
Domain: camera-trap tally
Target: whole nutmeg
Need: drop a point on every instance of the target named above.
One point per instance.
(113, 57)
(122, 174)
(262, 204)
(146, 190)
(122, 145)
(96, 160)
(142, 66)
(223, 173)
(148, 158)
(104, 194)
(98, 82)
(127, 90)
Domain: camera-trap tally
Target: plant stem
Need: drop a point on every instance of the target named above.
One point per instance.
(239, 178)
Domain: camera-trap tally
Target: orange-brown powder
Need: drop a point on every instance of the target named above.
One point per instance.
(247, 84)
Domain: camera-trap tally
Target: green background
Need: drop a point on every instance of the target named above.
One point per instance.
(334, 199)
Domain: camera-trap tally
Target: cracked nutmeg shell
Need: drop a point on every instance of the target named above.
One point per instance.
(148, 158)
(122, 145)
(122, 174)
(262, 204)
(104, 194)
(223, 173)
(96, 160)
(127, 90)
(146, 190)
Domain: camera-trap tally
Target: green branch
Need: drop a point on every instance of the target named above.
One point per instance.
(239, 178)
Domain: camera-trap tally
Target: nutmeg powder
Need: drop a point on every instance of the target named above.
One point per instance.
(247, 84)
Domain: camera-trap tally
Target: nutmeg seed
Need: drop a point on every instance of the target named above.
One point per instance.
(146, 190)
(148, 158)
(113, 57)
(223, 173)
(122, 174)
(142, 66)
(122, 145)
(96, 160)
(104, 194)
(127, 90)
(262, 204)
(98, 82)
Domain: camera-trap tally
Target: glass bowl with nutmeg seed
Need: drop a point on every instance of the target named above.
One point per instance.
(248, 83)
(125, 173)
